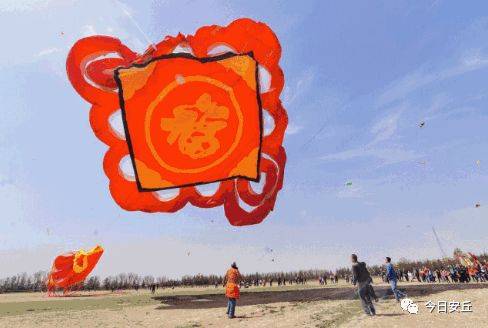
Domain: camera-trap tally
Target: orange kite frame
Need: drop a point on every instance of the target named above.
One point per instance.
(90, 66)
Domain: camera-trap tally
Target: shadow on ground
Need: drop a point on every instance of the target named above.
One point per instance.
(307, 295)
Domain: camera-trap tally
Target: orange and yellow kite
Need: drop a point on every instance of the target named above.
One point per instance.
(190, 118)
(72, 268)
(468, 259)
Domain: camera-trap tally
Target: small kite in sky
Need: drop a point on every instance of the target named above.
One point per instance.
(72, 268)
(348, 184)
(422, 124)
(192, 113)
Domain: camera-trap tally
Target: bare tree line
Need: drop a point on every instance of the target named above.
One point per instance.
(37, 282)
(23, 282)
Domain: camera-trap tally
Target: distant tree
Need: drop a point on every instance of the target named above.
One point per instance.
(93, 283)
(147, 281)
(457, 252)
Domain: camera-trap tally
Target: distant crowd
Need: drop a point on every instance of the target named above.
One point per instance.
(458, 273)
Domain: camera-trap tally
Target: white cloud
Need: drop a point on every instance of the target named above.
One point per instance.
(23, 5)
(88, 30)
(48, 51)
(386, 127)
(387, 156)
(67, 21)
(383, 130)
(303, 83)
(293, 129)
(414, 81)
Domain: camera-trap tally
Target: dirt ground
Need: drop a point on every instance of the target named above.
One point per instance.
(290, 306)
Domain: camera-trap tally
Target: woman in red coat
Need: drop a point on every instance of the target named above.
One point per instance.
(232, 280)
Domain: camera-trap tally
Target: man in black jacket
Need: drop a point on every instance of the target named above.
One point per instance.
(362, 278)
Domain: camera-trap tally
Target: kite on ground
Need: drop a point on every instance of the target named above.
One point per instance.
(72, 268)
(192, 109)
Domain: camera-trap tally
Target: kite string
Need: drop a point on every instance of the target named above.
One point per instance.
(125, 11)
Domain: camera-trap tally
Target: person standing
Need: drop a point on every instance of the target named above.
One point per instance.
(392, 278)
(362, 278)
(417, 274)
(438, 274)
(231, 281)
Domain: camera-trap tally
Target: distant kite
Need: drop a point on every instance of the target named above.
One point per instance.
(72, 268)
(468, 259)
(192, 109)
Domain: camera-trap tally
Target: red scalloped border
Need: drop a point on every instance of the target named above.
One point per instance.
(243, 35)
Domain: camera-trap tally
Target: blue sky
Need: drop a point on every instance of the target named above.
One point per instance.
(360, 77)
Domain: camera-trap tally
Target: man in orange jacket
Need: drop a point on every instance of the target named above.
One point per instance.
(232, 280)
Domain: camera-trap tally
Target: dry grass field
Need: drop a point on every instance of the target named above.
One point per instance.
(310, 305)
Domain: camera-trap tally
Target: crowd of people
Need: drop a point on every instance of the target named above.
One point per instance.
(280, 281)
(471, 270)
(360, 276)
(452, 273)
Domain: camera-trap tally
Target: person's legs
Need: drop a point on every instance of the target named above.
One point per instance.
(228, 306)
(393, 288)
(372, 308)
(372, 293)
(365, 300)
(398, 294)
(232, 308)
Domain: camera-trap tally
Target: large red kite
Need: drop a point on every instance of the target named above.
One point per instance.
(190, 117)
(72, 268)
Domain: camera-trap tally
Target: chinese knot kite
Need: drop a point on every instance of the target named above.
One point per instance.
(72, 268)
(189, 118)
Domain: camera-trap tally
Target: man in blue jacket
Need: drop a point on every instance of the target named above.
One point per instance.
(392, 278)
